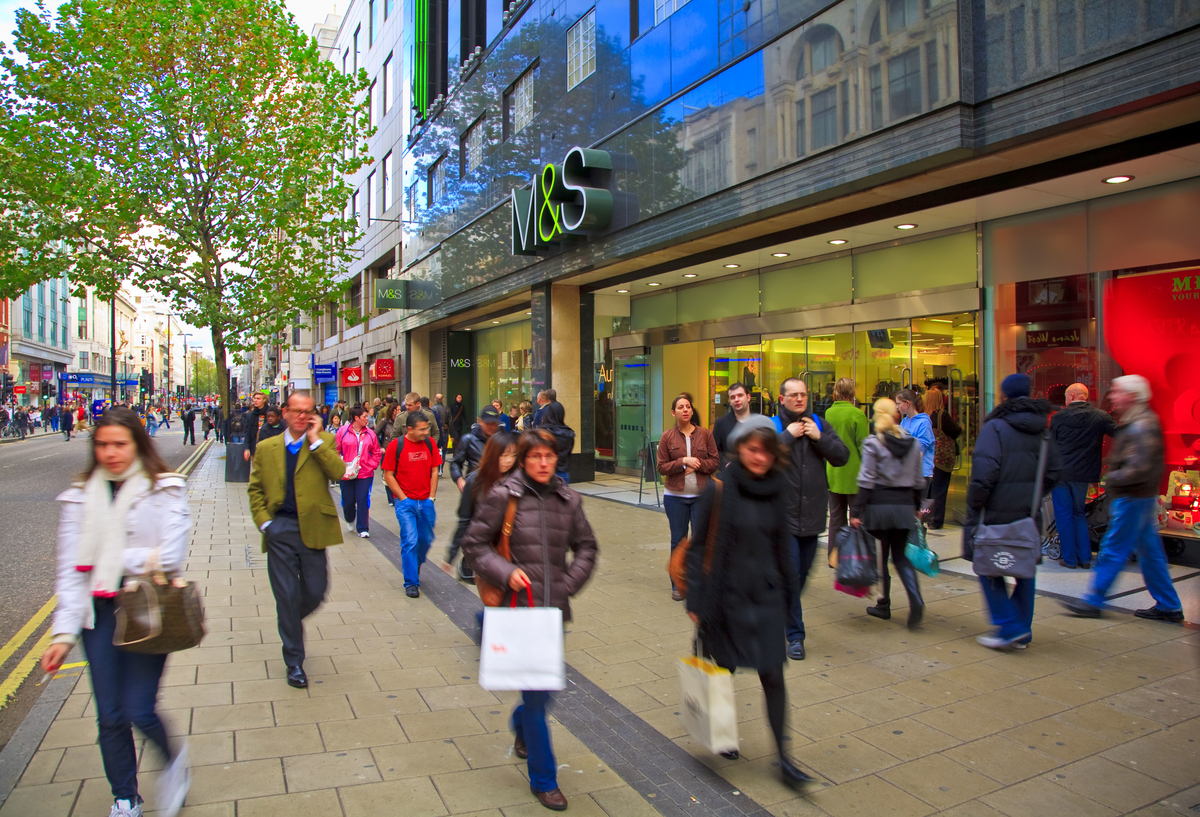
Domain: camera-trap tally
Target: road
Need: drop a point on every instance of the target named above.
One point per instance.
(32, 474)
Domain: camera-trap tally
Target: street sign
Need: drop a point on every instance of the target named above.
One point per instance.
(18, 389)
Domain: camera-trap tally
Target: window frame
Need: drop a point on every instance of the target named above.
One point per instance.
(388, 193)
(388, 86)
(581, 47)
(436, 181)
(513, 100)
(468, 149)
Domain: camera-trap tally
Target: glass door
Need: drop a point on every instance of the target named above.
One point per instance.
(884, 358)
(631, 392)
(739, 363)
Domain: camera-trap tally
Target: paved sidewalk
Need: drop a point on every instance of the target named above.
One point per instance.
(1097, 717)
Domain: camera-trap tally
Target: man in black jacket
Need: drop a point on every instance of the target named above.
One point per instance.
(739, 412)
(1003, 476)
(189, 424)
(812, 444)
(251, 421)
(1135, 468)
(468, 451)
(1078, 431)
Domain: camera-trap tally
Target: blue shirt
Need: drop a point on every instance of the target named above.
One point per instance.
(921, 427)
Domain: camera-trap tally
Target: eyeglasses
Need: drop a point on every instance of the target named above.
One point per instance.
(302, 412)
(796, 394)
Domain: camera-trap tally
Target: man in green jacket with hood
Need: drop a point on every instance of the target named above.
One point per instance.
(851, 425)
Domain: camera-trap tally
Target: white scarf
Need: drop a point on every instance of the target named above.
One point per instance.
(102, 536)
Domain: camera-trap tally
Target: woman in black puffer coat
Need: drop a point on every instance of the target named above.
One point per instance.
(741, 600)
(549, 524)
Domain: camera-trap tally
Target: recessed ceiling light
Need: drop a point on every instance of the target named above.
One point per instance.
(837, 242)
(622, 291)
(906, 226)
(732, 266)
(689, 275)
(495, 321)
(1118, 179)
(779, 255)
(654, 284)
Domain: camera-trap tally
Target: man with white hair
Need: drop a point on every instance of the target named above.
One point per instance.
(1079, 431)
(1135, 468)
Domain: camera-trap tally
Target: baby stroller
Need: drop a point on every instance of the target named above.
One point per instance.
(1095, 510)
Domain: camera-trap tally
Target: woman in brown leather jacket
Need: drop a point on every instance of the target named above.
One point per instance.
(687, 457)
(549, 523)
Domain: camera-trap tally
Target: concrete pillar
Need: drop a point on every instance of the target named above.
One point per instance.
(418, 362)
(572, 372)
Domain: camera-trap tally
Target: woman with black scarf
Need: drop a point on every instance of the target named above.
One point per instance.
(740, 603)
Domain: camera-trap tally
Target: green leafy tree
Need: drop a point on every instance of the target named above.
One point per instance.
(200, 149)
(204, 376)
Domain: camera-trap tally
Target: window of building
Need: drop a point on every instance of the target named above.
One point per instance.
(27, 315)
(904, 84)
(472, 146)
(143, 351)
(388, 5)
(389, 85)
(331, 316)
(665, 8)
(357, 32)
(374, 21)
(706, 164)
(346, 61)
(356, 297)
(354, 212)
(752, 147)
(875, 77)
(371, 100)
(369, 198)
(901, 14)
(437, 181)
(474, 28)
(824, 49)
(518, 103)
(1016, 22)
(581, 50)
(800, 125)
(388, 201)
(824, 119)
(83, 360)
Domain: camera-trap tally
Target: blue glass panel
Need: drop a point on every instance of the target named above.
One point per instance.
(495, 19)
(693, 42)
(650, 62)
(645, 16)
(612, 23)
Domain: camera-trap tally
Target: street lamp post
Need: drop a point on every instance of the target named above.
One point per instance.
(186, 395)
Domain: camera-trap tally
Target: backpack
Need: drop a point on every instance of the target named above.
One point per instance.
(403, 438)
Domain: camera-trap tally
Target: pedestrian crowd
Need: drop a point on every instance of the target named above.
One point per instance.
(746, 504)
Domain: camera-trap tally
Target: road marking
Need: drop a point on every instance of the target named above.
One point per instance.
(13, 682)
(73, 666)
(17, 640)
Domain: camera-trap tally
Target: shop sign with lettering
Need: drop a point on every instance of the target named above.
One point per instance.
(1052, 338)
(572, 198)
(382, 369)
(406, 293)
(352, 376)
(325, 372)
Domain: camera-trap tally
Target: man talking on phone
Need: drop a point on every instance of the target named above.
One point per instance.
(812, 444)
(291, 505)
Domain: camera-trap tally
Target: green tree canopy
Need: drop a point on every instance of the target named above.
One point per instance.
(199, 148)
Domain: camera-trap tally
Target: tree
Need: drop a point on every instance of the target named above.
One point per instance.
(200, 149)
(204, 376)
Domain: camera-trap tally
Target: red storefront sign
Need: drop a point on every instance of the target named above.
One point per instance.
(48, 372)
(352, 376)
(382, 369)
(18, 389)
(35, 371)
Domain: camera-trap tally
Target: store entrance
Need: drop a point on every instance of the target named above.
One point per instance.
(631, 389)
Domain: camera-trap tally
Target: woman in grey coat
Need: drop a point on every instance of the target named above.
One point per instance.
(890, 488)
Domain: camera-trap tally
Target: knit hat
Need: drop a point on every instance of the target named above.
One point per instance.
(745, 427)
(1016, 385)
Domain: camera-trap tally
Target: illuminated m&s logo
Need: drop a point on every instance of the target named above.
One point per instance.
(568, 199)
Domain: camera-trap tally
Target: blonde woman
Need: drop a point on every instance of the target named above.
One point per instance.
(890, 489)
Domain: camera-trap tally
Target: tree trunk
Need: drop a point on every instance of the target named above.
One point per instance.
(222, 371)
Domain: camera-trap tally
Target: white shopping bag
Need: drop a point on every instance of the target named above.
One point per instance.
(707, 709)
(522, 648)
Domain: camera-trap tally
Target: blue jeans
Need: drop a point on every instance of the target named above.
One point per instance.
(54, 424)
(529, 724)
(152, 428)
(1130, 525)
(1011, 615)
(126, 687)
(804, 550)
(1071, 522)
(356, 502)
(564, 476)
(417, 518)
(682, 515)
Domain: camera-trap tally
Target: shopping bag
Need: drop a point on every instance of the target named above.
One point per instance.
(708, 711)
(522, 648)
(856, 558)
(857, 592)
(918, 553)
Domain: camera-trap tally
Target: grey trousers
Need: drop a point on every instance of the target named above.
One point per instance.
(299, 577)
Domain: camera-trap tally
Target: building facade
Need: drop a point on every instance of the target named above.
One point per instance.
(39, 342)
(902, 192)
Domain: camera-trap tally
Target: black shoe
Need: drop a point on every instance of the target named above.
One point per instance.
(882, 611)
(519, 748)
(676, 595)
(1081, 609)
(1155, 614)
(915, 614)
(1086, 566)
(296, 677)
(734, 755)
(792, 775)
(796, 650)
(412, 592)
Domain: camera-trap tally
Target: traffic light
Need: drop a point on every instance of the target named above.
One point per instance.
(6, 384)
(146, 382)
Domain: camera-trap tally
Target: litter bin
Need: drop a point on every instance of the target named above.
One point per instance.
(237, 467)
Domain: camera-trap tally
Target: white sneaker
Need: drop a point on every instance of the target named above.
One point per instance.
(173, 784)
(350, 527)
(364, 534)
(126, 808)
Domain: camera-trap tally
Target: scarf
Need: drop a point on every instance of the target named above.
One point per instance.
(102, 535)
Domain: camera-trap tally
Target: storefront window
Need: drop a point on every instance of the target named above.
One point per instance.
(503, 365)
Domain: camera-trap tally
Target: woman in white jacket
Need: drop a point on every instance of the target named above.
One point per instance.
(126, 506)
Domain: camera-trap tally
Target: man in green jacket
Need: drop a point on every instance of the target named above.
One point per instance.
(851, 425)
(291, 505)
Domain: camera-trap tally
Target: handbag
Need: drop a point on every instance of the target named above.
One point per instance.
(490, 594)
(1013, 549)
(158, 612)
(677, 563)
(522, 648)
(708, 710)
(856, 558)
(945, 448)
(918, 553)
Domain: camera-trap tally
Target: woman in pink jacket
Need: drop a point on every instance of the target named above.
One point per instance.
(359, 447)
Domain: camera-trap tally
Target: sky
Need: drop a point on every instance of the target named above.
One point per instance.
(306, 12)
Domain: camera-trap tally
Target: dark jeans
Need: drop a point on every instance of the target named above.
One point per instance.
(682, 516)
(529, 724)
(839, 513)
(804, 550)
(1070, 520)
(939, 486)
(189, 430)
(126, 687)
(299, 577)
(356, 502)
(1011, 615)
(892, 542)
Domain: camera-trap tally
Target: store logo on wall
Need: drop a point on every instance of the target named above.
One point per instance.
(383, 369)
(352, 376)
(460, 363)
(571, 198)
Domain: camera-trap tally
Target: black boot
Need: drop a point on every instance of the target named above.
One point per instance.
(792, 775)
(916, 605)
(883, 610)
